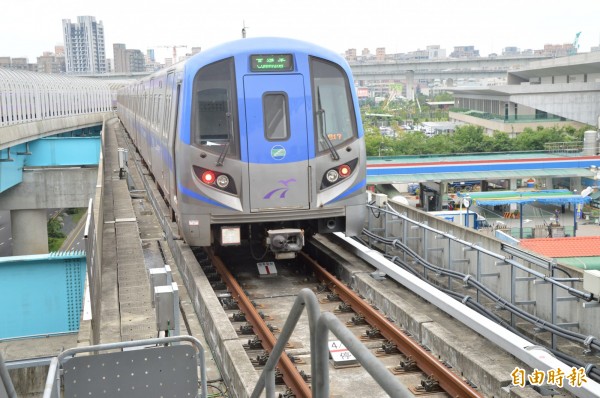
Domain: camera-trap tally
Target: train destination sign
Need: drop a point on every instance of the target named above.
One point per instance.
(271, 62)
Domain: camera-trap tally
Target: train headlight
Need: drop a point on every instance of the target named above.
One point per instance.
(208, 177)
(345, 170)
(332, 176)
(215, 180)
(222, 181)
(336, 174)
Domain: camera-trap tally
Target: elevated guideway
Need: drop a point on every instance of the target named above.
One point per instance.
(447, 68)
(36, 105)
(129, 244)
(43, 164)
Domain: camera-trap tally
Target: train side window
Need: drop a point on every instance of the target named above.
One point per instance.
(214, 112)
(333, 109)
(276, 116)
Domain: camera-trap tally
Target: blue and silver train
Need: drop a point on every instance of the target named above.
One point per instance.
(256, 138)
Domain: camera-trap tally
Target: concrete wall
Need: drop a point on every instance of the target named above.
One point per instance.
(52, 188)
(447, 254)
(21, 133)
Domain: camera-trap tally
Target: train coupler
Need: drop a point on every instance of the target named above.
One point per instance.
(286, 242)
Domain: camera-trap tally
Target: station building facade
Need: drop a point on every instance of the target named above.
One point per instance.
(549, 93)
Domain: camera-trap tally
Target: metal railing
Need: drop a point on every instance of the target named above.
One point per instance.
(533, 355)
(572, 146)
(320, 324)
(155, 372)
(508, 269)
(426, 233)
(28, 96)
(6, 386)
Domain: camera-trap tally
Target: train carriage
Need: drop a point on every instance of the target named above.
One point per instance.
(256, 138)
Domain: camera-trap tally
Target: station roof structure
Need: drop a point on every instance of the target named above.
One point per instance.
(551, 196)
(579, 252)
(480, 166)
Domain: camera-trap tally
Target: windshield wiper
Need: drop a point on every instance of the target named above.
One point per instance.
(323, 125)
(225, 149)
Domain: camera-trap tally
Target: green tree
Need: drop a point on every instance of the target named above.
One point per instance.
(467, 139)
(55, 229)
(439, 144)
(411, 143)
(443, 96)
(501, 142)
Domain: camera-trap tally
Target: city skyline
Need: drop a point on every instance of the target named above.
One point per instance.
(399, 28)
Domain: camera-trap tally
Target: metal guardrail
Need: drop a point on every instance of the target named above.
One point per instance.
(145, 369)
(534, 356)
(6, 386)
(320, 324)
(28, 96)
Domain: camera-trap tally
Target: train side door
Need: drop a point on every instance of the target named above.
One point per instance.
(277, 135)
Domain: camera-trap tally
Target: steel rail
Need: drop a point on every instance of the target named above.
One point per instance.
(290, 373)
(427, 362)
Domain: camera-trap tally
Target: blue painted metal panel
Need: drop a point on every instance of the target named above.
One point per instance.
(242, 49)
(41, 294)
(260, 149)
(47, 152)
(73, 151)
(11, 172)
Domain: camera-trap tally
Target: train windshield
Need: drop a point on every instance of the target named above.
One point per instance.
(333, 111)
(214, 110)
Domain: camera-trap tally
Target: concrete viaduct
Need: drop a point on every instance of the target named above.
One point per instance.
(34, 106)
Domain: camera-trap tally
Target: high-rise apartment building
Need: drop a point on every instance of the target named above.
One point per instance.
(127, 61)
(120, 57)
(84, 46)
(50, 63)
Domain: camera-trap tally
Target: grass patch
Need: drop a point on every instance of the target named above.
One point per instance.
(54, 244)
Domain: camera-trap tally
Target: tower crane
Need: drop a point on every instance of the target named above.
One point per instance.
(575, 46)
(174, 47)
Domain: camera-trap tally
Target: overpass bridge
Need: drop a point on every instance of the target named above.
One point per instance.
(446, 68)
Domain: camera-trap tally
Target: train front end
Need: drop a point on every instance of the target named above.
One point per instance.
(274, 146)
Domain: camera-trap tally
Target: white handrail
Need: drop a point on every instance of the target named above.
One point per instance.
(29, 96)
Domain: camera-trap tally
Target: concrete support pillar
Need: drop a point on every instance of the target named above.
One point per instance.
(576, 184)
(549, 183)
(29, 232)
(513, 187)
(410, 85)
(443, 192)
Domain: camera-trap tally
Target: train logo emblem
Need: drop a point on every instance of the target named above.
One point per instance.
(278, 152)
(282, 191)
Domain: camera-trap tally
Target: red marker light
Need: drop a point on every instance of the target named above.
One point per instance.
(344, 170)
(208, 177)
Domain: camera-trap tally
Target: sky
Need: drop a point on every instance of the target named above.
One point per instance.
(30, 27)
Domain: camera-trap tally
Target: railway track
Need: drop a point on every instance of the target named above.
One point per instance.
(258, 308)
(273, 296)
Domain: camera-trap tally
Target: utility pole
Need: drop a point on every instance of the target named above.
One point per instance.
(244, 27)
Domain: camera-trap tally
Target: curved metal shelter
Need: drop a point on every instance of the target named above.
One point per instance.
(29, 96)
(550, 196)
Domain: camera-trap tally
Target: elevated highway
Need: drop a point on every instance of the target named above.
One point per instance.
(447, 68)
